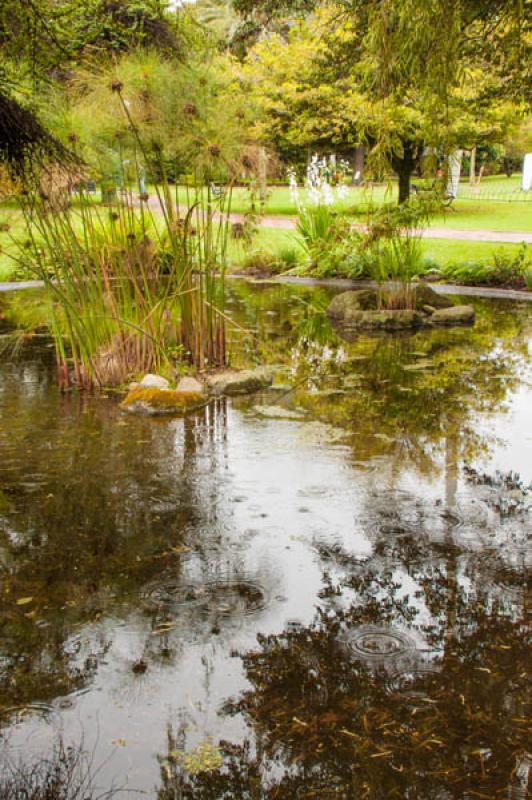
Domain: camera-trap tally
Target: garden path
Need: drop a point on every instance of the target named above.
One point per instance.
(289, 223)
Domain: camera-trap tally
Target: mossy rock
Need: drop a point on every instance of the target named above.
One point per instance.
(456, 315)
(247, 381)
(156, 402)
(359, 309)
(382, 319)
(345, 304)
(426, 296)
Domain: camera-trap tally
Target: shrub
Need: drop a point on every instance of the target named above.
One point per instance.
(506, 269)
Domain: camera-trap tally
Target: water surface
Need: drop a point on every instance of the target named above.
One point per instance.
(318, 591)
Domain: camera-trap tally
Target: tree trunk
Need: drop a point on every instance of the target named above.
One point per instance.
(404, 166)
(405, 175)
(359, 164)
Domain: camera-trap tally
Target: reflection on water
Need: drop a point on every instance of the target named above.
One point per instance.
(322, 589)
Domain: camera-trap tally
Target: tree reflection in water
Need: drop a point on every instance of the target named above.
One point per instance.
(348, 707)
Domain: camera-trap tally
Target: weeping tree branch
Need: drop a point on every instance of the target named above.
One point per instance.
(24, 143)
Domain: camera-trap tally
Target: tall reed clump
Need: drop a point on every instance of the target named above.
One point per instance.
(392, 250)
(141, 283)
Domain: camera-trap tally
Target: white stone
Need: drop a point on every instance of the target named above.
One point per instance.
(154, 382)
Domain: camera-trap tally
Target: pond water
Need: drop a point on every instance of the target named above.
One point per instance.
(317, 591)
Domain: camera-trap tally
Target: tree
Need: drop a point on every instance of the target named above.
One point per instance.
(399, 76)
(49, 36)
(24, 141)
(322, 85)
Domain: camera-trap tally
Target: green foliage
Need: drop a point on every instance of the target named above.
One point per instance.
(327, 240)
(505, 269)
(262, 262)
(189, 124)
(317, 224)
(289, 257)
(51, 35)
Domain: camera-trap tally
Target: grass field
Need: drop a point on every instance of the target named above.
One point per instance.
(478, 214)
(468, 214)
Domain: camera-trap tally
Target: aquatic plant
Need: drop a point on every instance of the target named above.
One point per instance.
(392, 244)
(141, 284)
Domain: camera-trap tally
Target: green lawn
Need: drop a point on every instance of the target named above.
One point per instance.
(466, 214)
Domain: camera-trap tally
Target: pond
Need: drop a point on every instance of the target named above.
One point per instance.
(317, 591)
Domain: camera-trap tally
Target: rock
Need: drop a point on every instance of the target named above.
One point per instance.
(343, 305)
(188, 384)
(359, 309)
(245, 382)
(384, 319)
(278, 412)
(456, 315)
(284, 388)
(154, 382)
(426, 296)
(156, 402)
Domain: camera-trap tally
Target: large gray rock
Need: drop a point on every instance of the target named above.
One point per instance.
(456, 315)
(384, 319)
(245, 382)
(360, 310)
(154, 382)
(426, 296)
(344, 305)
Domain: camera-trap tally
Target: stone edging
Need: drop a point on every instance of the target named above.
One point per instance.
(340, 283)
(441, 288)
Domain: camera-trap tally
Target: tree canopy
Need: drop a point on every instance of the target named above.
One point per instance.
(320, 87)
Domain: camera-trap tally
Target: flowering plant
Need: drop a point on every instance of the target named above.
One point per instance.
(323, 183)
